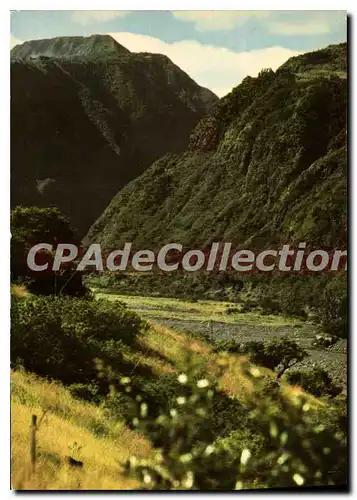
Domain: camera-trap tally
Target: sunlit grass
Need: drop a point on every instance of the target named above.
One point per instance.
(19, 290)
(102, 445)
(203, 310)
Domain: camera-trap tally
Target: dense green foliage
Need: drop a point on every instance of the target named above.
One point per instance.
(266, 166)
(32, 225)
(87, 116)
(323, 297)
(317, 382)
(282, 354)
(60, 337)
(288, 448)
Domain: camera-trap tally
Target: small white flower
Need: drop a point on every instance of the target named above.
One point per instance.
(239, 485)
(209, 450)
(202, 383)
(181, 400)
(143, 409)
(245, 456)
(188, 481)
(182, 378)
(173, 412)
(186, 458)
(299, 480)
(283, 458)
(147, 479)
(255, 371)
(274, 430)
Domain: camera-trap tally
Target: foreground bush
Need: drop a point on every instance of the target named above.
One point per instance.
(289, 449)
(60, 337)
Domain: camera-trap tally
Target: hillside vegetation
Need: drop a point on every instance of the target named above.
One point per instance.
(267, 165)
(88, 116)
(192, 381)
(68, 427)
(231, 406)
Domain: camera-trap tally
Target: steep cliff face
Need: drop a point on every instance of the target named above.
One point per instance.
(88, 116)
(267, 165)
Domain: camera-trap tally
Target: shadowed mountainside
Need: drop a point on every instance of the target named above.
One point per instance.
(267, 165)
(88, 116)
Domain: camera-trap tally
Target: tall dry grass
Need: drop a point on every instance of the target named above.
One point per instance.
(69, 427)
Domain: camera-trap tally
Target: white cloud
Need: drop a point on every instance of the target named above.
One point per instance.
(216, 68)
(312, 23)
(275, 22)
(14, 41)
(85, 17)
(218, 20)
(299, 29)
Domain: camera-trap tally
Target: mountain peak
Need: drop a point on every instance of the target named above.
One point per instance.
(69, 46)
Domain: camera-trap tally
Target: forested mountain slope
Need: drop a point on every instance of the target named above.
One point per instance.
(88, 116)
(267, 165)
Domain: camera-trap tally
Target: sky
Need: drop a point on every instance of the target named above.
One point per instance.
(216, 48)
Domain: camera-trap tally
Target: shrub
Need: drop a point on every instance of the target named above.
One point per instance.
(284, 353)
(334, 308)
(228, 346)
(232, 310)
(60, 337)
(32, 225)
(317, 382)
(288, 450)
(269, 305)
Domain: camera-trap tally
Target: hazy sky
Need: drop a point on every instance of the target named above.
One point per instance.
(216, 48)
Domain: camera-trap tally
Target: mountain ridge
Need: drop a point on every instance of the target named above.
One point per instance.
(266, 165)
(84, 126)
(68, 46)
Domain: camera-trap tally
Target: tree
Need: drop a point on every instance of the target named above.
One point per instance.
(317, 382)
(282, 354)
(32, 225)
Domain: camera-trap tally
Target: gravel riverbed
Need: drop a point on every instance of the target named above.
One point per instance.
(333, 359)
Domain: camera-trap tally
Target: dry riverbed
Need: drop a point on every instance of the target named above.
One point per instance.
(214, 321)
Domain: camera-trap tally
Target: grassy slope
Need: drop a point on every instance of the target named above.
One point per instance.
(203, 310)
(105, 444)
